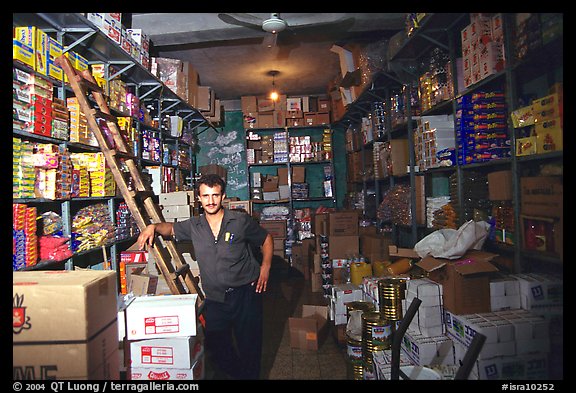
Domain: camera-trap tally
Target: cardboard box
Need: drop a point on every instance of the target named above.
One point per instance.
(241, 205)
(78, 341)
(343, 246)
(142, 284)
(180, 211)
(395, 251)
(465, 281)
(500, 185)
(270, 183)
(321, 224)
(196, 372)
(175, 352)
(89, 296)
(343, 223)
(309, 330)
(542, 196)
(176, 198)
(214, 168)
(249, 104)
(161, 317)
(377, 246)
(276, 228)
(298, 174)
(94, 359)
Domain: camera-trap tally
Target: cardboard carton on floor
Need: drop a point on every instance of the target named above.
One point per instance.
(161, 317)
(307, 331)
(175, 352)
(465, 281)
(65, 325)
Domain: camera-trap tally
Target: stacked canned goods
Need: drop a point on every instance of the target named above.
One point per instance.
(326, 266)
(354, 310)
(378, 119)
(391, 292)
(376, 336)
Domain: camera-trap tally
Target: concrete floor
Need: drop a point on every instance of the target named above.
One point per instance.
(287, 292)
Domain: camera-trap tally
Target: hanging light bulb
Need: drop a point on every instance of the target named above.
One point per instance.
(274, 93)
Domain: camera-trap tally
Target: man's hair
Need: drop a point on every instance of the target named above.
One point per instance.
(212, 180)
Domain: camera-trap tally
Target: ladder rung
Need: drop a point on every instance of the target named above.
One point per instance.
(89, 85)
(105, 116)
(122, 154)
(142, 193)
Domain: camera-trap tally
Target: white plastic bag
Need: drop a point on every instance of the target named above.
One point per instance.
(451, 243)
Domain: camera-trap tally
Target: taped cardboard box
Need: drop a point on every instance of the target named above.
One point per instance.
(175, 352)
(309, 330)
(161, 317)
(65, 325)
(465, 281)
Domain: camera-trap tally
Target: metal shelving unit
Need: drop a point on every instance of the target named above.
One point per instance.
(77, 33)
(443, 31)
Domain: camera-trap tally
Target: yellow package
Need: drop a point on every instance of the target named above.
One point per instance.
(526, 146)
(549, 140)
(523, 117)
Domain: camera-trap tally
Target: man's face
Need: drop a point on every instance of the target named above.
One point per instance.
(211, 198)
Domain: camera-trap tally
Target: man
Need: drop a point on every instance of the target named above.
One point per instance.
(232, 279)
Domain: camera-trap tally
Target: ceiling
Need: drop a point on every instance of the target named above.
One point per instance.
(233, 60)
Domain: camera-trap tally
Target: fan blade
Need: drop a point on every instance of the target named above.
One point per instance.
(245, 20)
(338, 26)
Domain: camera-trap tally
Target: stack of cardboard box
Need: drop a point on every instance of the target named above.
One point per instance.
(262, 112)
(163, 339)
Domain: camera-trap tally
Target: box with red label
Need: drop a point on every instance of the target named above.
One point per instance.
(161, 317)
(134, 256)
(176, 352)
(162, 373)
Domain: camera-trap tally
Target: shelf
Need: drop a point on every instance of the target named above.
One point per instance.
(325, 162)
(259, 201)
(78, 34)
(555, 155)
(87, 39)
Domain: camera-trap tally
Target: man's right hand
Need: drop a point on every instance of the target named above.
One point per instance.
(146, 237)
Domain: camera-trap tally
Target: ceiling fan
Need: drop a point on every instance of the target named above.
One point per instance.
(275, 25)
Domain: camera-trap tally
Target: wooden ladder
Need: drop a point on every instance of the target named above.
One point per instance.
(168, 259)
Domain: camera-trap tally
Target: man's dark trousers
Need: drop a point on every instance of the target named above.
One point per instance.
(234, 332)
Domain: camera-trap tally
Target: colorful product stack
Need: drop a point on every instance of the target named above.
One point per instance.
(482, 130)
(60, 118)
(434, 141)
(101, 178)
(280, 146)
(92, 227)
(23, 176)
(118, 96)
(79, 131)
(482, 47)
(129, 133)
(80, 176)
(435, 85)
(151, 145)
(24, 238)
(125, 224)
(53, 172)
(31, 103)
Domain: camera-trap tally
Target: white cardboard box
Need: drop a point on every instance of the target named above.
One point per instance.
(175, 352)
(195, 372)
(176, 198)
(161, 317)
(177, 211)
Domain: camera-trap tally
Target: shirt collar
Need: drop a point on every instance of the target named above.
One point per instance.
(227, 217)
